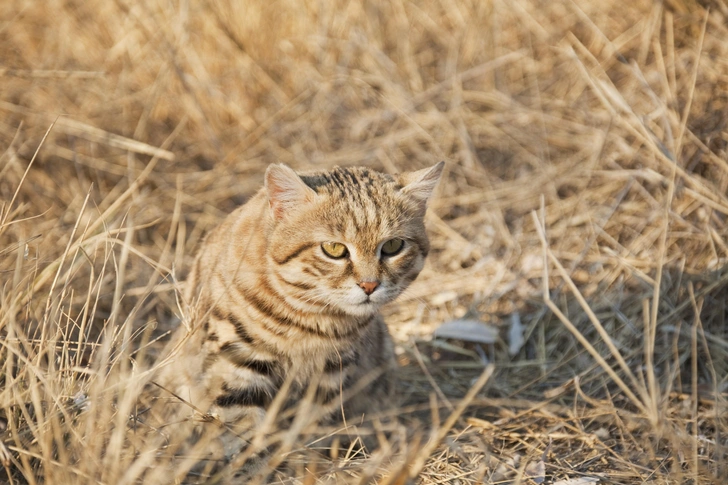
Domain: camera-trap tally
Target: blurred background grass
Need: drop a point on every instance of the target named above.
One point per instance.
(602, 123)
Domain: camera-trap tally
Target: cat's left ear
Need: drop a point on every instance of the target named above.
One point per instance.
(286, 190)
(421, 184)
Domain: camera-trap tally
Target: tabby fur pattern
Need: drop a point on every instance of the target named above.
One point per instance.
(273, 294)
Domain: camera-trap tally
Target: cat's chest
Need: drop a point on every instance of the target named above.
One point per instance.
(298, 361)
(310, 363)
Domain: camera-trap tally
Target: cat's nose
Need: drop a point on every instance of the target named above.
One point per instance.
(369, 286)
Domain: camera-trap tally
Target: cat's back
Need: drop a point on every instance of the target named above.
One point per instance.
(235, 241)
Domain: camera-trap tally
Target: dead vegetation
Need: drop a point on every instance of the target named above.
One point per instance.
(584, 199)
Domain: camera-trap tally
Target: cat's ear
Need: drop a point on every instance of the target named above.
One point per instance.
(286, 190)
(421, 184)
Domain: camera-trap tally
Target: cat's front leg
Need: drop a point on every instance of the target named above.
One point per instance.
(241, 386)
(239, 411)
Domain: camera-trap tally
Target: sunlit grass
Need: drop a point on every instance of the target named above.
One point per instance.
(584, 193)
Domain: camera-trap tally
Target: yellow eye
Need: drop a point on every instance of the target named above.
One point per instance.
(392, 247)
(334, 250)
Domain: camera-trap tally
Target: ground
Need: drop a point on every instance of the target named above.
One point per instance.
(580, 226)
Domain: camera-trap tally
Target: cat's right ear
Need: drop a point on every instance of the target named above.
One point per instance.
(286, 190)
(421, 184)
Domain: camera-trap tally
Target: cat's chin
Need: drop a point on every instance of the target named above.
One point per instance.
(362, 306)
(364, 309)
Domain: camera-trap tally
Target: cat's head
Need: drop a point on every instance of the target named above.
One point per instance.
(347, 240)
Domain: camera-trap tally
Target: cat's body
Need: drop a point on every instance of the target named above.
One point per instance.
(289, 286)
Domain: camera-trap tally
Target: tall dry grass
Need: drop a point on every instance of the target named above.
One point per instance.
(585, 195)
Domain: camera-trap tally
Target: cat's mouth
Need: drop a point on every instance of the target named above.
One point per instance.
(367, 302)
(365, 305)
(376, 299)
(356, 302)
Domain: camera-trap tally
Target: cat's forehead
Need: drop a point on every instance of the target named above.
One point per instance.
(352, 181)
(361, 206)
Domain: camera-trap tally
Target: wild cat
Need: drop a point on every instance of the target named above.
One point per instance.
(289, 286)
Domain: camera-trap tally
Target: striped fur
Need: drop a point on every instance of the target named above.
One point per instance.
(268, 304)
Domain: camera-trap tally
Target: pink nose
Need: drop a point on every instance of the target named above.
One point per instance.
(369, 286)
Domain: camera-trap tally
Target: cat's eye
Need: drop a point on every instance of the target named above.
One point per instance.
(392, 247)
(334, 250)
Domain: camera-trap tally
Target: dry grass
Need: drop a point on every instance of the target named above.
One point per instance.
(585, 192)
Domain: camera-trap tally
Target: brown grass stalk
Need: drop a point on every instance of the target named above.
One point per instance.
(586, 191)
